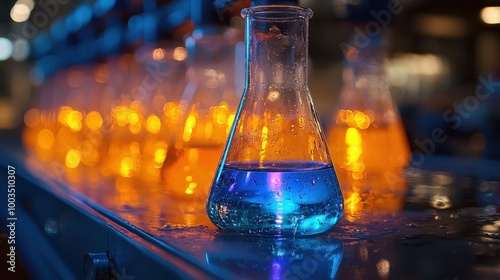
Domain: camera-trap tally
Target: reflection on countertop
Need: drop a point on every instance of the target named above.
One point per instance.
(376, 243)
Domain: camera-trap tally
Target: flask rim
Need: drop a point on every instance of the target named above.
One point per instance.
(277, 12)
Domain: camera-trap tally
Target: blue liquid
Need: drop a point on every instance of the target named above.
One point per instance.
(296, 198)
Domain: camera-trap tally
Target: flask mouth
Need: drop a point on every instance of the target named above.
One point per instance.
(277, 12)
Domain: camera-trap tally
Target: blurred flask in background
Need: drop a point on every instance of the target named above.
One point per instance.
(208, 104)
(366, 137)
(66, 124)
(142, 99)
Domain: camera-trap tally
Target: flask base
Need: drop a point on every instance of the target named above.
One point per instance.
(276, 201)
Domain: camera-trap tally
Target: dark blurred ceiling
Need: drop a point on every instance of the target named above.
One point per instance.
(465, 9)
(5, 6)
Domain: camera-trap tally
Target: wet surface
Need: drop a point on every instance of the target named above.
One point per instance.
(393, 243)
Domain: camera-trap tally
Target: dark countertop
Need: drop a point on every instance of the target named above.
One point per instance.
(413, 242)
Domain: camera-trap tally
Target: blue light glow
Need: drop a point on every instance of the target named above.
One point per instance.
(102, 6)
(135, 23)
(42, 44)
(83, 14)
(6, 48)
(58, 30)
(79, 18)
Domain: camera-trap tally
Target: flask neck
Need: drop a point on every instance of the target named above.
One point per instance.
(208, 51)
(277, 47)
(365, 73)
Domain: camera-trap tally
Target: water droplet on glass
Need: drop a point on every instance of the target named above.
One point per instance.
(274, 30)
(412, 225)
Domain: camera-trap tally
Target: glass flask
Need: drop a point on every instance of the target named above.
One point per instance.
(207, 108)
(275, 176)
(161, 115)
(140, 97)
(366, 136)
(39, 133)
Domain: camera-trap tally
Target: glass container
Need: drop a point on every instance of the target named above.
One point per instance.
(366, 136)
(206, 109)
(141, 98)
(275, 176)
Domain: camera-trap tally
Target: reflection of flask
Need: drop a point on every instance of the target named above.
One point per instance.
(366, 138)
(303, 258)
(208, 103)
(275, 176)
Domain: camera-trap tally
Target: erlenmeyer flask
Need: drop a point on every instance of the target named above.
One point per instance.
(275, 176)
(208, 104)
(366, 137)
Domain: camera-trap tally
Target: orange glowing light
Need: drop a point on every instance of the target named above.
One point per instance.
(90, 157)
(74, 120)
(120, 115)
(135, 128)
(180, 54)
(160, 155)
(127, 166)
(362, 156)
(264, 135)
(153, 124)
(230, 121)
(188, 128)
(62, 116)
(220, 113)
(127, 195)
(32, 117)
(73, 158)
(353, 206)
(172, 111)
(45, 139)
(191, 171)
(158, 54)
(188, 168)
(133, 118)
(46, 118)
(93, 120)
(135, 148)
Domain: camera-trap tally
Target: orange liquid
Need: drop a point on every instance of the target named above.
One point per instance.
(189, 167)
(369, 161)
(189, 173)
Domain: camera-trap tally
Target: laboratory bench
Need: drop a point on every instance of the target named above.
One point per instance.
(77, 224)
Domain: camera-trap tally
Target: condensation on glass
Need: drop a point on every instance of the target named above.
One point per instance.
(276, 176)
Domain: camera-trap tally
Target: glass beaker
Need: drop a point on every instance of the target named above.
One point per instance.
(275, 176)
(366, 136)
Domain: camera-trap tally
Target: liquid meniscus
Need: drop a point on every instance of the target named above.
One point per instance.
(278, 198)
